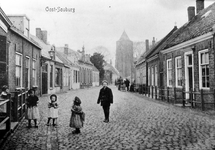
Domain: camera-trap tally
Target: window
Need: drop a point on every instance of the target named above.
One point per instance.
(149, 79)
(57, 76)
(51, 76)
(34, 73)
(18, 70)
(178, 71)
(204, 69)
(66, 77)
(75, 76)
(169, 72)
(27, 72)
(156, 76)
(78, 76)
(152, 77)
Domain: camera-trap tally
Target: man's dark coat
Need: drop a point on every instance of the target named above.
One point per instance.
(105, 97)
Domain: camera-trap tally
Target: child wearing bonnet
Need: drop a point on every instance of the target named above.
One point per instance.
(77, 116)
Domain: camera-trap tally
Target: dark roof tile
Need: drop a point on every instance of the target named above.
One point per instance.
(201, 24)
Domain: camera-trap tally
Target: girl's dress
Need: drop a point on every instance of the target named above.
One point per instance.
(77, 117)
(32, 109)
(53, 110)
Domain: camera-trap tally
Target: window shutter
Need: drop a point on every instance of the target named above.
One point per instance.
(3, 61)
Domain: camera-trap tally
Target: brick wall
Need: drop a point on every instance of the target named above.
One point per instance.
(207, 44)
(141, 73)
(22, 46)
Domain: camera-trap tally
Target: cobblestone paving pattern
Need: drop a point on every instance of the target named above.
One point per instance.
(136, 122)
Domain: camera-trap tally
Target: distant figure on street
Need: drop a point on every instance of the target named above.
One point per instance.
(106, 99)
(120, 82)
(32, 109)
(127, 83)
(132, 86)
(77, 116)
(53, 110)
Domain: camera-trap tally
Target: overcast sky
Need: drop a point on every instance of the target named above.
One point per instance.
(101, 22)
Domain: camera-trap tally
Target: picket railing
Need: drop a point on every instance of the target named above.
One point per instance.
(19, 104)
(5, 118)
(178, 96)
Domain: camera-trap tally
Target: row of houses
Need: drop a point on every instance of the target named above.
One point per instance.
(29, 61)
(184, 58)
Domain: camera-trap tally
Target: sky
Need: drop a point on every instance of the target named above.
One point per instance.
(101, 22)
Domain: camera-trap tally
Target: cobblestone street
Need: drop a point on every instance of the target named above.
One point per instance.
(135, 123)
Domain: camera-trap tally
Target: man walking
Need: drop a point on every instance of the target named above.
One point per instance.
(127, 82)
(120, 81)
(105, 98)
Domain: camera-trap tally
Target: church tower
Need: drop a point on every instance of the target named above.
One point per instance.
(124, 56)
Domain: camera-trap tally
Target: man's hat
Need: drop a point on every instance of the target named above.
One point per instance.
(104, 81)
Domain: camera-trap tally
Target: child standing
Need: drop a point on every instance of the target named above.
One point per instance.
(53, 110)
(77, 116)
(32, 109)
(4, 96)
(5, 92)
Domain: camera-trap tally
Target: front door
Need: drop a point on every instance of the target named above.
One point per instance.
(189, 76)
(161, 92)
(44, 79)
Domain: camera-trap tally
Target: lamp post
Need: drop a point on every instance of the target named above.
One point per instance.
(52, 52)
(42, 60)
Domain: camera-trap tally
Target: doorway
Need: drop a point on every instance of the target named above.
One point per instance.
(189, 76)
(45, 79)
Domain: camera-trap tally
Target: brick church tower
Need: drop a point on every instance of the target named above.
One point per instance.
(124, 56)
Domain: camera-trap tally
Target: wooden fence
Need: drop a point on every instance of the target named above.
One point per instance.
(196, 98)
(19, 104)
(5, 118)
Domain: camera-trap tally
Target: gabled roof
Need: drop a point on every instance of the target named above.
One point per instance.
(63, 58)
(162, 43)
(111, 68)
(95, 69)
(201, 24)
(71, 52)
(124, 37)
(45, 47)
(6, 19)
(85, 62)
(72, 56)
(142, 58)
(18, 32)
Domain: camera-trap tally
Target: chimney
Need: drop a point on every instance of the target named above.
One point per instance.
(38, 33)
(199, 5)
(191, 12)
(44, 36)
(41, 34)
(66, 49)
(153, 41)
(21, 22)
(147, 45)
